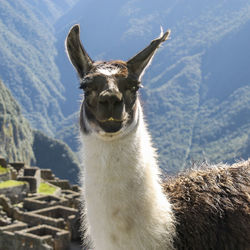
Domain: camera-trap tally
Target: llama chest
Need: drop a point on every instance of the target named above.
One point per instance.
(110, 205)
(110, 217)
(121, 198)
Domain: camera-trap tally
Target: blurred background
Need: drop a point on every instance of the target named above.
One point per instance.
(196, 94)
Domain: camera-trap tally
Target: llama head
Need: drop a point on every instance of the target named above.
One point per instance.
(110, 103)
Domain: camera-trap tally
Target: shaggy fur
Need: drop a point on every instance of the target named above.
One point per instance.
(212, 207)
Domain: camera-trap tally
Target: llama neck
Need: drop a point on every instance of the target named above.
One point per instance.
(126, 207)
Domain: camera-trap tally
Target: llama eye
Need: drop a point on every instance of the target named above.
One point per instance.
(88, 87)
(84, 84)
(134, 88)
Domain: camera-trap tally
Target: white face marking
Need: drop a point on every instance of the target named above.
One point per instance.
(108, 71)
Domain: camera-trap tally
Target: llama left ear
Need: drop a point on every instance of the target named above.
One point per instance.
(139, 62)
(76, 52)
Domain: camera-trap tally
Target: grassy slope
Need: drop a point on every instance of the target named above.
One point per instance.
(46, 188)
(11, 183)
(3, 170)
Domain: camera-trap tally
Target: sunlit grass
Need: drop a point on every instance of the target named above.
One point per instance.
(46, 188)
(11, 183)
(3, 170)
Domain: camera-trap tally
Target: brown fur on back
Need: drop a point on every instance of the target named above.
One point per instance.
(212, 207)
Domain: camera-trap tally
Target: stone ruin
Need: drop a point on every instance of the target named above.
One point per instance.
(29, 220)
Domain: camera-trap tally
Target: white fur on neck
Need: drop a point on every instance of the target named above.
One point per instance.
(126, 207)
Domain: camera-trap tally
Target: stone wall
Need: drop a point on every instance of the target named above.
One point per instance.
(17, 165)
(63, 184)
(43, 237)
(42, 222)
(16, 193)
(7, 235)
(3, 162)
(44, 201)
(46, 174)
(32, 175)
(5, 176)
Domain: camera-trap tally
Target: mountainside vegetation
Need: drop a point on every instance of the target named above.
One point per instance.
(20, 143)
(197, 90)
(16, 136)
(202, 111)
(27, 64)
(56, 155)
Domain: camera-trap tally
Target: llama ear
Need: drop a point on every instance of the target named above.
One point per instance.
(76, 52)
(139, 62)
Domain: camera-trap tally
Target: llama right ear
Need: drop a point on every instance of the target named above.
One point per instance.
(139, 62)
(76, 52)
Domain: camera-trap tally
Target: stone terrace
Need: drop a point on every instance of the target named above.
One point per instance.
(37, 221)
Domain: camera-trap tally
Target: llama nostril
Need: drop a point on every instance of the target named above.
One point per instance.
(110, 100)
(118, 102)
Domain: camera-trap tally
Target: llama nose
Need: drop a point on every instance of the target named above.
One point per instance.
(110, 99)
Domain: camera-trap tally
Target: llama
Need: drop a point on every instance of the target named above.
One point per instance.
(127, 205)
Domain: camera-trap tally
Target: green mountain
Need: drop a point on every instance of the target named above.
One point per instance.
(27, 65)
(56, 155)
(16, 136)
(202, 110)
(196, 95)
(19, 142)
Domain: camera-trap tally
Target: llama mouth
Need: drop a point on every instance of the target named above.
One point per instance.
(111, 125)
(111, 119)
